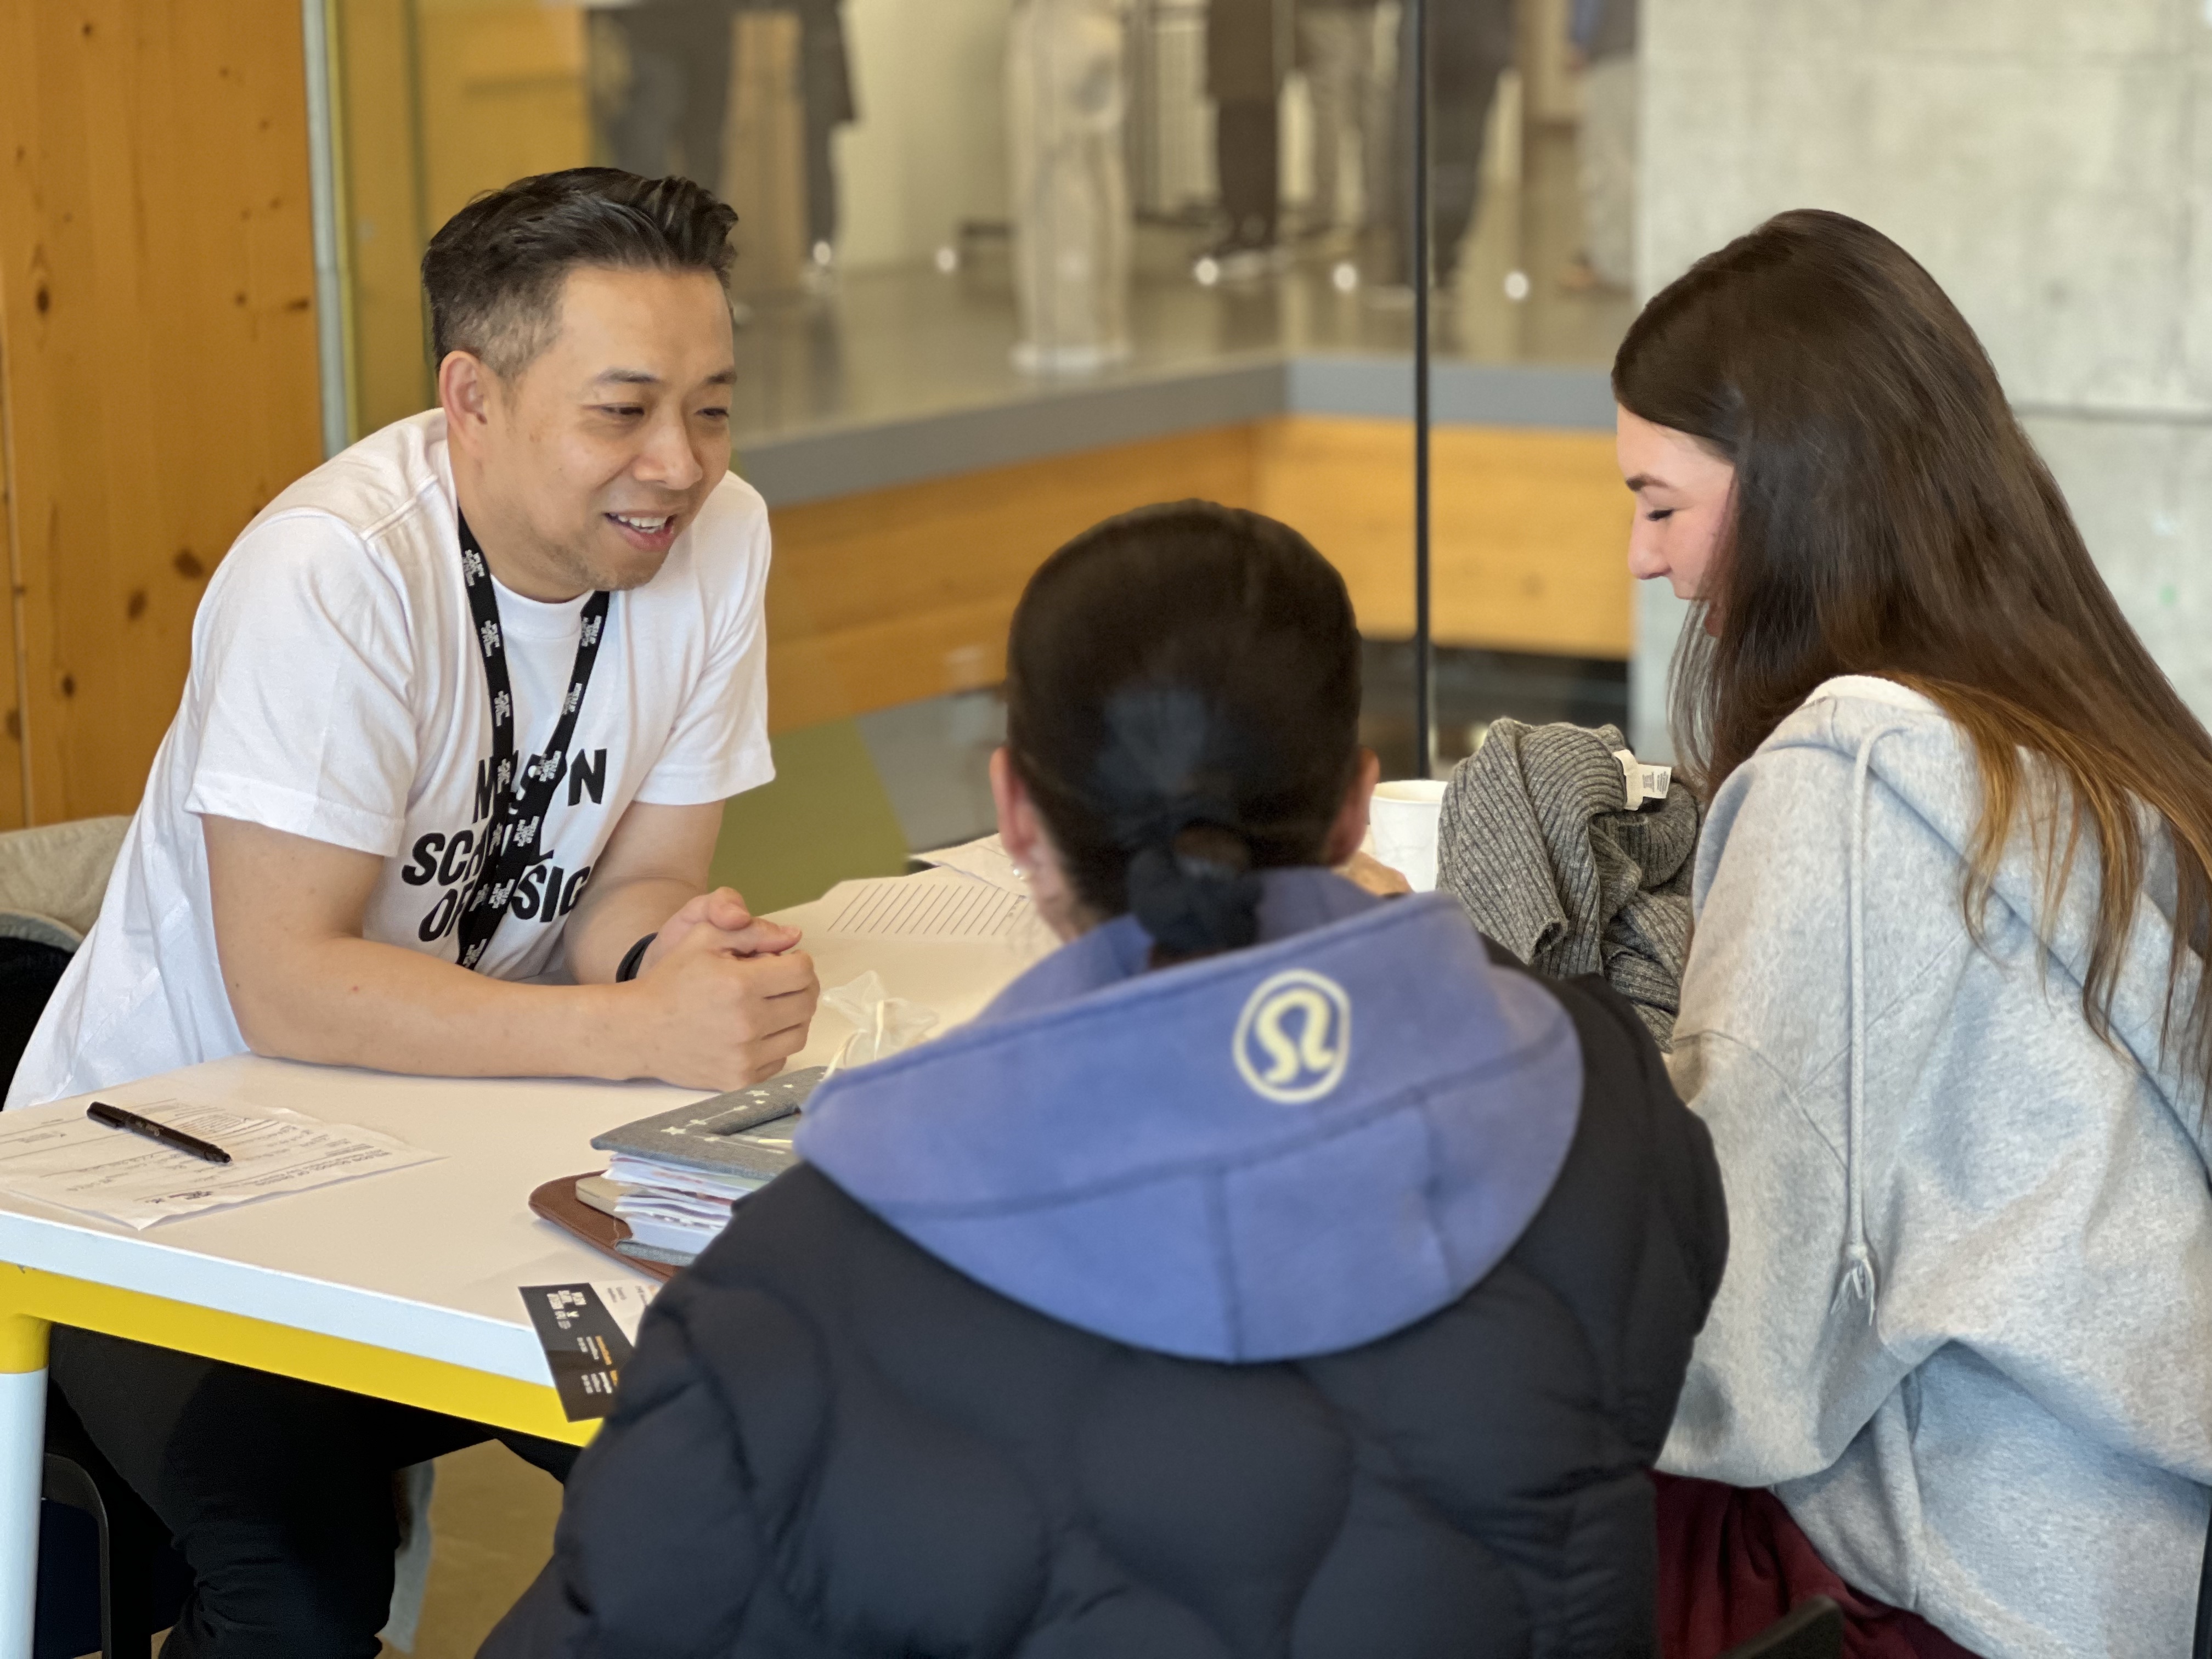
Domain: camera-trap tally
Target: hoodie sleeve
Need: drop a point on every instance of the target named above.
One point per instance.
(660, 1548)
(1791, 1362)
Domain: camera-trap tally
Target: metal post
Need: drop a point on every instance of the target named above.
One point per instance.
(1424, 700)
(325, 194)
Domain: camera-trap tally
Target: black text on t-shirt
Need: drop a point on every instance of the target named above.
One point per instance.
(544, 892)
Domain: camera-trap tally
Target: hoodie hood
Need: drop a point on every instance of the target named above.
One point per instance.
(1281, 1152)
(1904, 745)
(1908, 745)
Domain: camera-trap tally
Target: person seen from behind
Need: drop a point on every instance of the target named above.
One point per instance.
(1272, 1269)
(1943, 1012)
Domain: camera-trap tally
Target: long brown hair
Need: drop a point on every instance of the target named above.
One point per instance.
(1892, 518)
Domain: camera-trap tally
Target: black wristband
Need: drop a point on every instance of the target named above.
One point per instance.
(634, 959)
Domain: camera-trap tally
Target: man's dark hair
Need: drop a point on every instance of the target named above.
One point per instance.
(494, 272)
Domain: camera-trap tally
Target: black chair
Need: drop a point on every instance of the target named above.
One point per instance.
(1814, 1629)
(117, 1579)
(108, 1576)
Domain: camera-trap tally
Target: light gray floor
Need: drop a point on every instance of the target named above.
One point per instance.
(891, 345)
(934, 758)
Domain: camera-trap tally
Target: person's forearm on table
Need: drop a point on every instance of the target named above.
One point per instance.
(343, 1001)
(722, 1001)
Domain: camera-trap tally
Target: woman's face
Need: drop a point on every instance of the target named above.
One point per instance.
(1683, 491)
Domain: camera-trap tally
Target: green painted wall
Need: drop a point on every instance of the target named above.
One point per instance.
(825, 818)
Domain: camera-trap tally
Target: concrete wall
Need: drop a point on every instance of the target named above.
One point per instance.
(2051, 162)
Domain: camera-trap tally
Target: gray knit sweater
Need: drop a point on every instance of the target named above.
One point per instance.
(1537, 842)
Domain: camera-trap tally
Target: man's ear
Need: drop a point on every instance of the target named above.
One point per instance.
(1351, 826)
(464, 392)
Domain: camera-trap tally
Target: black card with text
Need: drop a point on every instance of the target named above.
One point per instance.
(584, 1346)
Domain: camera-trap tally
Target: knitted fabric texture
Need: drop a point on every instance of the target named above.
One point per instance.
(1537, 842)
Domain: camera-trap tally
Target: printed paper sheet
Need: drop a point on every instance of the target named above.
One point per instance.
(61, 1157)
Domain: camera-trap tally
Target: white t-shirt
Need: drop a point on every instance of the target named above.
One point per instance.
(337, 692)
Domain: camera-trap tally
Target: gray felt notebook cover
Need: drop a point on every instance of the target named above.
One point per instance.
(738, 1133)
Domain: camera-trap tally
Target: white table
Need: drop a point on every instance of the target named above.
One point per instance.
(402, 1285)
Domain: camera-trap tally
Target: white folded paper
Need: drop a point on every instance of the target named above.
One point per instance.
(986, 859)
(58, 1156)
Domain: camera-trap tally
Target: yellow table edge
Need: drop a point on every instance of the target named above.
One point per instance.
(31, 1299)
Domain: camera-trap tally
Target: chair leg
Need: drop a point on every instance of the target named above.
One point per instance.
(131, 1541)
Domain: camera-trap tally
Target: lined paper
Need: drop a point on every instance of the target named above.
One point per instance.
(942, 906)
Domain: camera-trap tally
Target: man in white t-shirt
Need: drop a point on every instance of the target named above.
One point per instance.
(464, 705)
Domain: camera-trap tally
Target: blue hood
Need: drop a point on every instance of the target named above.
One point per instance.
(1282, 1151)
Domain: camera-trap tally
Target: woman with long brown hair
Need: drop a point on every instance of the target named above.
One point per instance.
(1943, 1012)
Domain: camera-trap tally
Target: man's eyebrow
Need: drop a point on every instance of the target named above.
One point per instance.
(645, 377)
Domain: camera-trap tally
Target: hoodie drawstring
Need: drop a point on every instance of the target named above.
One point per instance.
(1858, 1275)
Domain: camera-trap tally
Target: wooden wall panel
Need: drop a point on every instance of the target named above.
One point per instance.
(904, 593)
(899, 594)
(157, 274)
(505, 94)
(1529, 537)
(14, 759)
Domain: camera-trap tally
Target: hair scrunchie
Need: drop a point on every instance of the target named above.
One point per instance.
(1190, 882)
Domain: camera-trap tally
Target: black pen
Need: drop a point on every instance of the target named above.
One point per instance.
(116, 1118)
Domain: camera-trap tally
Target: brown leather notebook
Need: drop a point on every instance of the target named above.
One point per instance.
(558, 1202)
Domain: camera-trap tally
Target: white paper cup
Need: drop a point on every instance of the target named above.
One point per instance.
(1402, 820)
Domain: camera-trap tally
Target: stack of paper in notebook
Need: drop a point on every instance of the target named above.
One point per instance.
(674, 1179)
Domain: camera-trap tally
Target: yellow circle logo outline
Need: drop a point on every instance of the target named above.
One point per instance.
(1319, 1047)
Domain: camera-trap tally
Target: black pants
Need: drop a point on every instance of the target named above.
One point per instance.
(679, 92)
(278, 1493)
(1247, 152)
(1470, 45)
(680, 62)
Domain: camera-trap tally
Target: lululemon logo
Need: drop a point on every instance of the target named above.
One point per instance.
(1294, 1037)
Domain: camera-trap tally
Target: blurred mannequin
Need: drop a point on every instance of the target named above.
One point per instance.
(1066, 104)
(1604, 36)
(1470, 45)
(1336, 54)
(670, 119)
(1248, 55)
(825, 79)
(673, 117)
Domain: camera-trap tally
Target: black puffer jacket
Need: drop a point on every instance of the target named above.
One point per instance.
(831, 1442)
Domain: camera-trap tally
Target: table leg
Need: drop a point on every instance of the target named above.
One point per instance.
(22, 1472)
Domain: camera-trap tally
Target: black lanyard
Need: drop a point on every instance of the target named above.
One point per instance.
(518, 804)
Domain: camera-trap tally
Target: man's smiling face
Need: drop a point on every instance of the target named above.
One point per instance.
(607, 443)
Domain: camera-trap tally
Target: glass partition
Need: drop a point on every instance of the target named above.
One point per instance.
(1007, 266)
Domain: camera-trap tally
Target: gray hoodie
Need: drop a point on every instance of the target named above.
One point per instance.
(1965, 1330)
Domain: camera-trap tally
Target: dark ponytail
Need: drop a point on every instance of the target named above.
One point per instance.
(1183, 687)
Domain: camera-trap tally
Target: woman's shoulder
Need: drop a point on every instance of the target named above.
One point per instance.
(1858, 749)
(1868, 723)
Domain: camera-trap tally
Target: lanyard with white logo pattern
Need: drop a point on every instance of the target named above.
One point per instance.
(518, 804)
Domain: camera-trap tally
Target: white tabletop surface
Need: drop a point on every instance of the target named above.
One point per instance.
(426, 1260)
